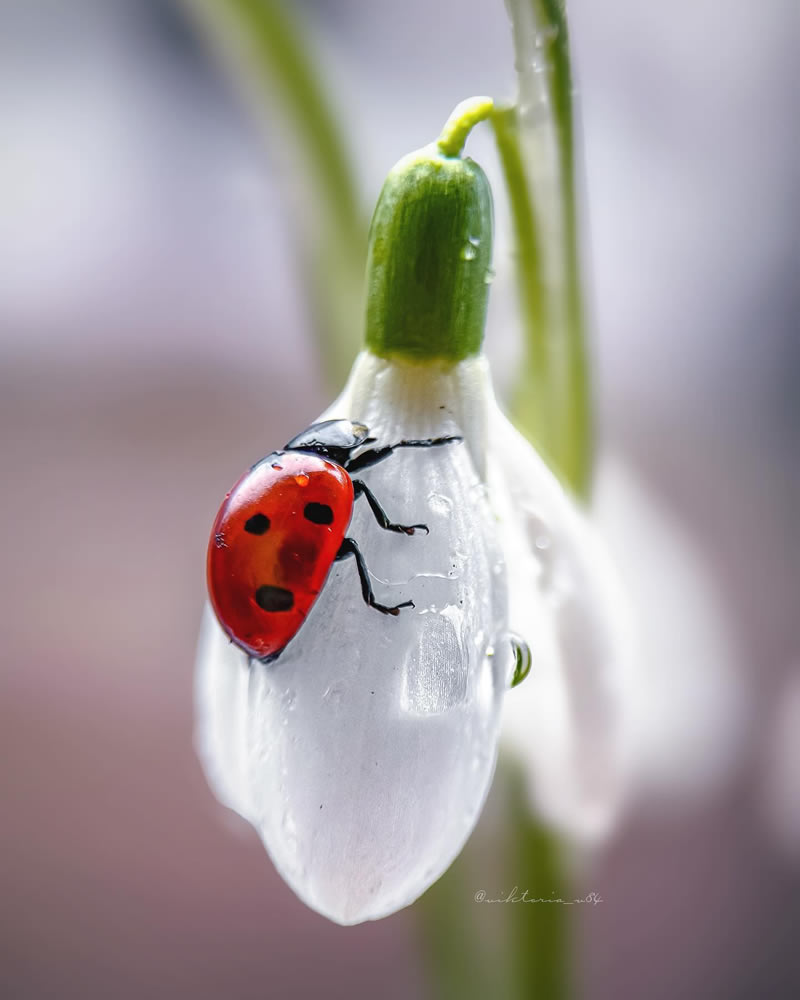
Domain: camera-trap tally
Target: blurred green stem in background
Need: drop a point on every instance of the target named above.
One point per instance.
(522, 951)
(476, 948)
(551, 402)
(263, 42)
(534, 384)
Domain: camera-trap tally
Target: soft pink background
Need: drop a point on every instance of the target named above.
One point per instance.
(154, 341)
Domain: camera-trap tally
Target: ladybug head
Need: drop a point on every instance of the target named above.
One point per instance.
(335, 439)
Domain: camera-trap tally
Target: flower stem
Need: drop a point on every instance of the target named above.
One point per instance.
(536, 379)
(536, 141)
(464, 118)
(268, 52)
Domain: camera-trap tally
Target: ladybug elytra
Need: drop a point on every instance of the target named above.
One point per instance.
(283, 525)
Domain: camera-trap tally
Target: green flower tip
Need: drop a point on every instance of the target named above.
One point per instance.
(430, 250)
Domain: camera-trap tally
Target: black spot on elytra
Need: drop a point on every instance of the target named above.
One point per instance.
(270, 598)
(318, 513)
(258, 524)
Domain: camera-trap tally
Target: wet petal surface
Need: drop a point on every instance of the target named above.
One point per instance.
(363, 754)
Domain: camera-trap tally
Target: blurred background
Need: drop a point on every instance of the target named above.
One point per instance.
(155, 339)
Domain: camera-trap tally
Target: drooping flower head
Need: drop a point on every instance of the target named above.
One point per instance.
(364, 752)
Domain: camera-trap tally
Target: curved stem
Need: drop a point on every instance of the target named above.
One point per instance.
(464, 118)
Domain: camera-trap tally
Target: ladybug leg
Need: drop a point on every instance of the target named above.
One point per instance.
(360, 489)
(349, 548)
(375, 455)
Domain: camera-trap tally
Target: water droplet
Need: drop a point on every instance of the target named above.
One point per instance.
(475, 240)
(276, 465)
(468, 252)
(302, 479)
(522, 659)
(333, 694)
(440, 504)
(489, 277)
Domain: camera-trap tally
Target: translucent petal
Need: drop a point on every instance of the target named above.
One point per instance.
(364, 753)
(221, 682)
(567, 719)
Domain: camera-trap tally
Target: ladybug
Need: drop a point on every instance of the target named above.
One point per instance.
(283, 525)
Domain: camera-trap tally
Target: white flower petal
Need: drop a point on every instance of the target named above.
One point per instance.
(364, 753)
(221, 682)
(566, 721)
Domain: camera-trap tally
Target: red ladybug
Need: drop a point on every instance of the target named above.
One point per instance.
(283, 525)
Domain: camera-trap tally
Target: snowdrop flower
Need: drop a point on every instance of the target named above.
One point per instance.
(364, 753)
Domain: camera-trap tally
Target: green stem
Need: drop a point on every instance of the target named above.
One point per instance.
(538, 157)
(461, 122)
(540, 950)
(578, 458)
(268, 51)
(536, 380)
(517, 951)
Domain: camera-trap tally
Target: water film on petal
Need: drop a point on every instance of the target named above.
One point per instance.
(363, 755)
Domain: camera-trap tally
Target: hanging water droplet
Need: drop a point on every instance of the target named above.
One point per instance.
(468, 252)
(522, 659)
(488, 278)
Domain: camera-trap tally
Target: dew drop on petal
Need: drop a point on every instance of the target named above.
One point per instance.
(522, 659)
(440, 503)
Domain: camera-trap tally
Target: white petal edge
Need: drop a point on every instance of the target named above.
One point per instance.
(566, 721)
